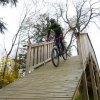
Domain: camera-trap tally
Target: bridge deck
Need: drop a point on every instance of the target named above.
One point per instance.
(46, 82)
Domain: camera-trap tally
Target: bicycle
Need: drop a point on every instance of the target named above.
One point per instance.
(58, 52)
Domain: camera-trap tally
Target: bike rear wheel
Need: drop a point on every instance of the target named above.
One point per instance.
(55, 57)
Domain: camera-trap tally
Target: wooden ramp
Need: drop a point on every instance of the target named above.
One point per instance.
(47, 82)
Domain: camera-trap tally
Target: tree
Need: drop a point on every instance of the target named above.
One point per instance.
(35, 30)
(41, 26)
(86, 11)
(13, 43)
(5, 2)
(2, 26)
(18, 34)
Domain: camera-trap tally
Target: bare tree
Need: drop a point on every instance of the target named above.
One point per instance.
(86, 11)
(2, 26)
(35, 29)
(27, 10)
(13, 43)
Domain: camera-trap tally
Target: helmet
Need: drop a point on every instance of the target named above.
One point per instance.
(52, 20)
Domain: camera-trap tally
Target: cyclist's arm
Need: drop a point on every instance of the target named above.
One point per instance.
(49, 29)
(48, 34)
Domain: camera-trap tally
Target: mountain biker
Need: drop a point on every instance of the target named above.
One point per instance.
(58, 32)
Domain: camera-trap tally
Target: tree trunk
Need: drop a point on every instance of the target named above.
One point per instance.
(70, 42)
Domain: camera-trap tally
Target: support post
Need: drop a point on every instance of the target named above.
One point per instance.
(85, 88)
(28, 60)
(94, 87)
(97, 79)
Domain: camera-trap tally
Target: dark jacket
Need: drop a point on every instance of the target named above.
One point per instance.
(56, 28)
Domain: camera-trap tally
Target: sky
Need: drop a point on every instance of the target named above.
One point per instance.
(12, 16)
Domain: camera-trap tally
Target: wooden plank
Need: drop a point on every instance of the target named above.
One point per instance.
(41, 53)
(94, 87)
(47, 82)
(37, 99)
(97, 79)
(85, 48)
(37, 59)
(31, 57)
(28, 60)
(39, 64)
(47, 50)
(35, 56)
(85, 88)
(40, 44)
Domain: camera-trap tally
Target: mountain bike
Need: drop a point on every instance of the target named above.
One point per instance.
(58, 52)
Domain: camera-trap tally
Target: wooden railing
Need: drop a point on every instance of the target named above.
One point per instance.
(86, 48)
(37, 55)
(90, 67)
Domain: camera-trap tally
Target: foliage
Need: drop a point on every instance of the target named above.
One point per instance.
(78, 97)
(34, 31)
(79, 93)
(2, 26)
(40, 28)
(11, 73)
(5, 2)
(9, 78)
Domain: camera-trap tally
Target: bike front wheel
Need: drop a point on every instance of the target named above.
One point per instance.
(55, 57)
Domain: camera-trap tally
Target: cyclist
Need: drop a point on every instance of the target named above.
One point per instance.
(58, 33)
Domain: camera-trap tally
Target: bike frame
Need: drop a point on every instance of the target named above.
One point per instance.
(58, 45)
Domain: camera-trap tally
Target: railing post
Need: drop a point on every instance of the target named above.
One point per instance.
(97, 79)
(85, 88)
(28, 59)
(44, 52)
(94, 87)
(31, 56)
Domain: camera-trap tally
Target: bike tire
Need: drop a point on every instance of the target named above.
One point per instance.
(55, 57)
(64, 55)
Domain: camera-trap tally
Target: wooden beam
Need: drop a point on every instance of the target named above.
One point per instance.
(28, 59)
(96, 72)
(85, 88)
(94, 87)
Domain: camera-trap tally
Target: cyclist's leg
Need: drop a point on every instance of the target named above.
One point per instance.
(57, 44)
(62, 44)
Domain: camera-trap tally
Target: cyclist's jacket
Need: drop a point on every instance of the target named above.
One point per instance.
(56, 28)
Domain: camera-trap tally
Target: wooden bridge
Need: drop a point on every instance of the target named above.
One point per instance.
(77, 77)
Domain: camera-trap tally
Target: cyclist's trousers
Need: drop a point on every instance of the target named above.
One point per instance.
(59, 41)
